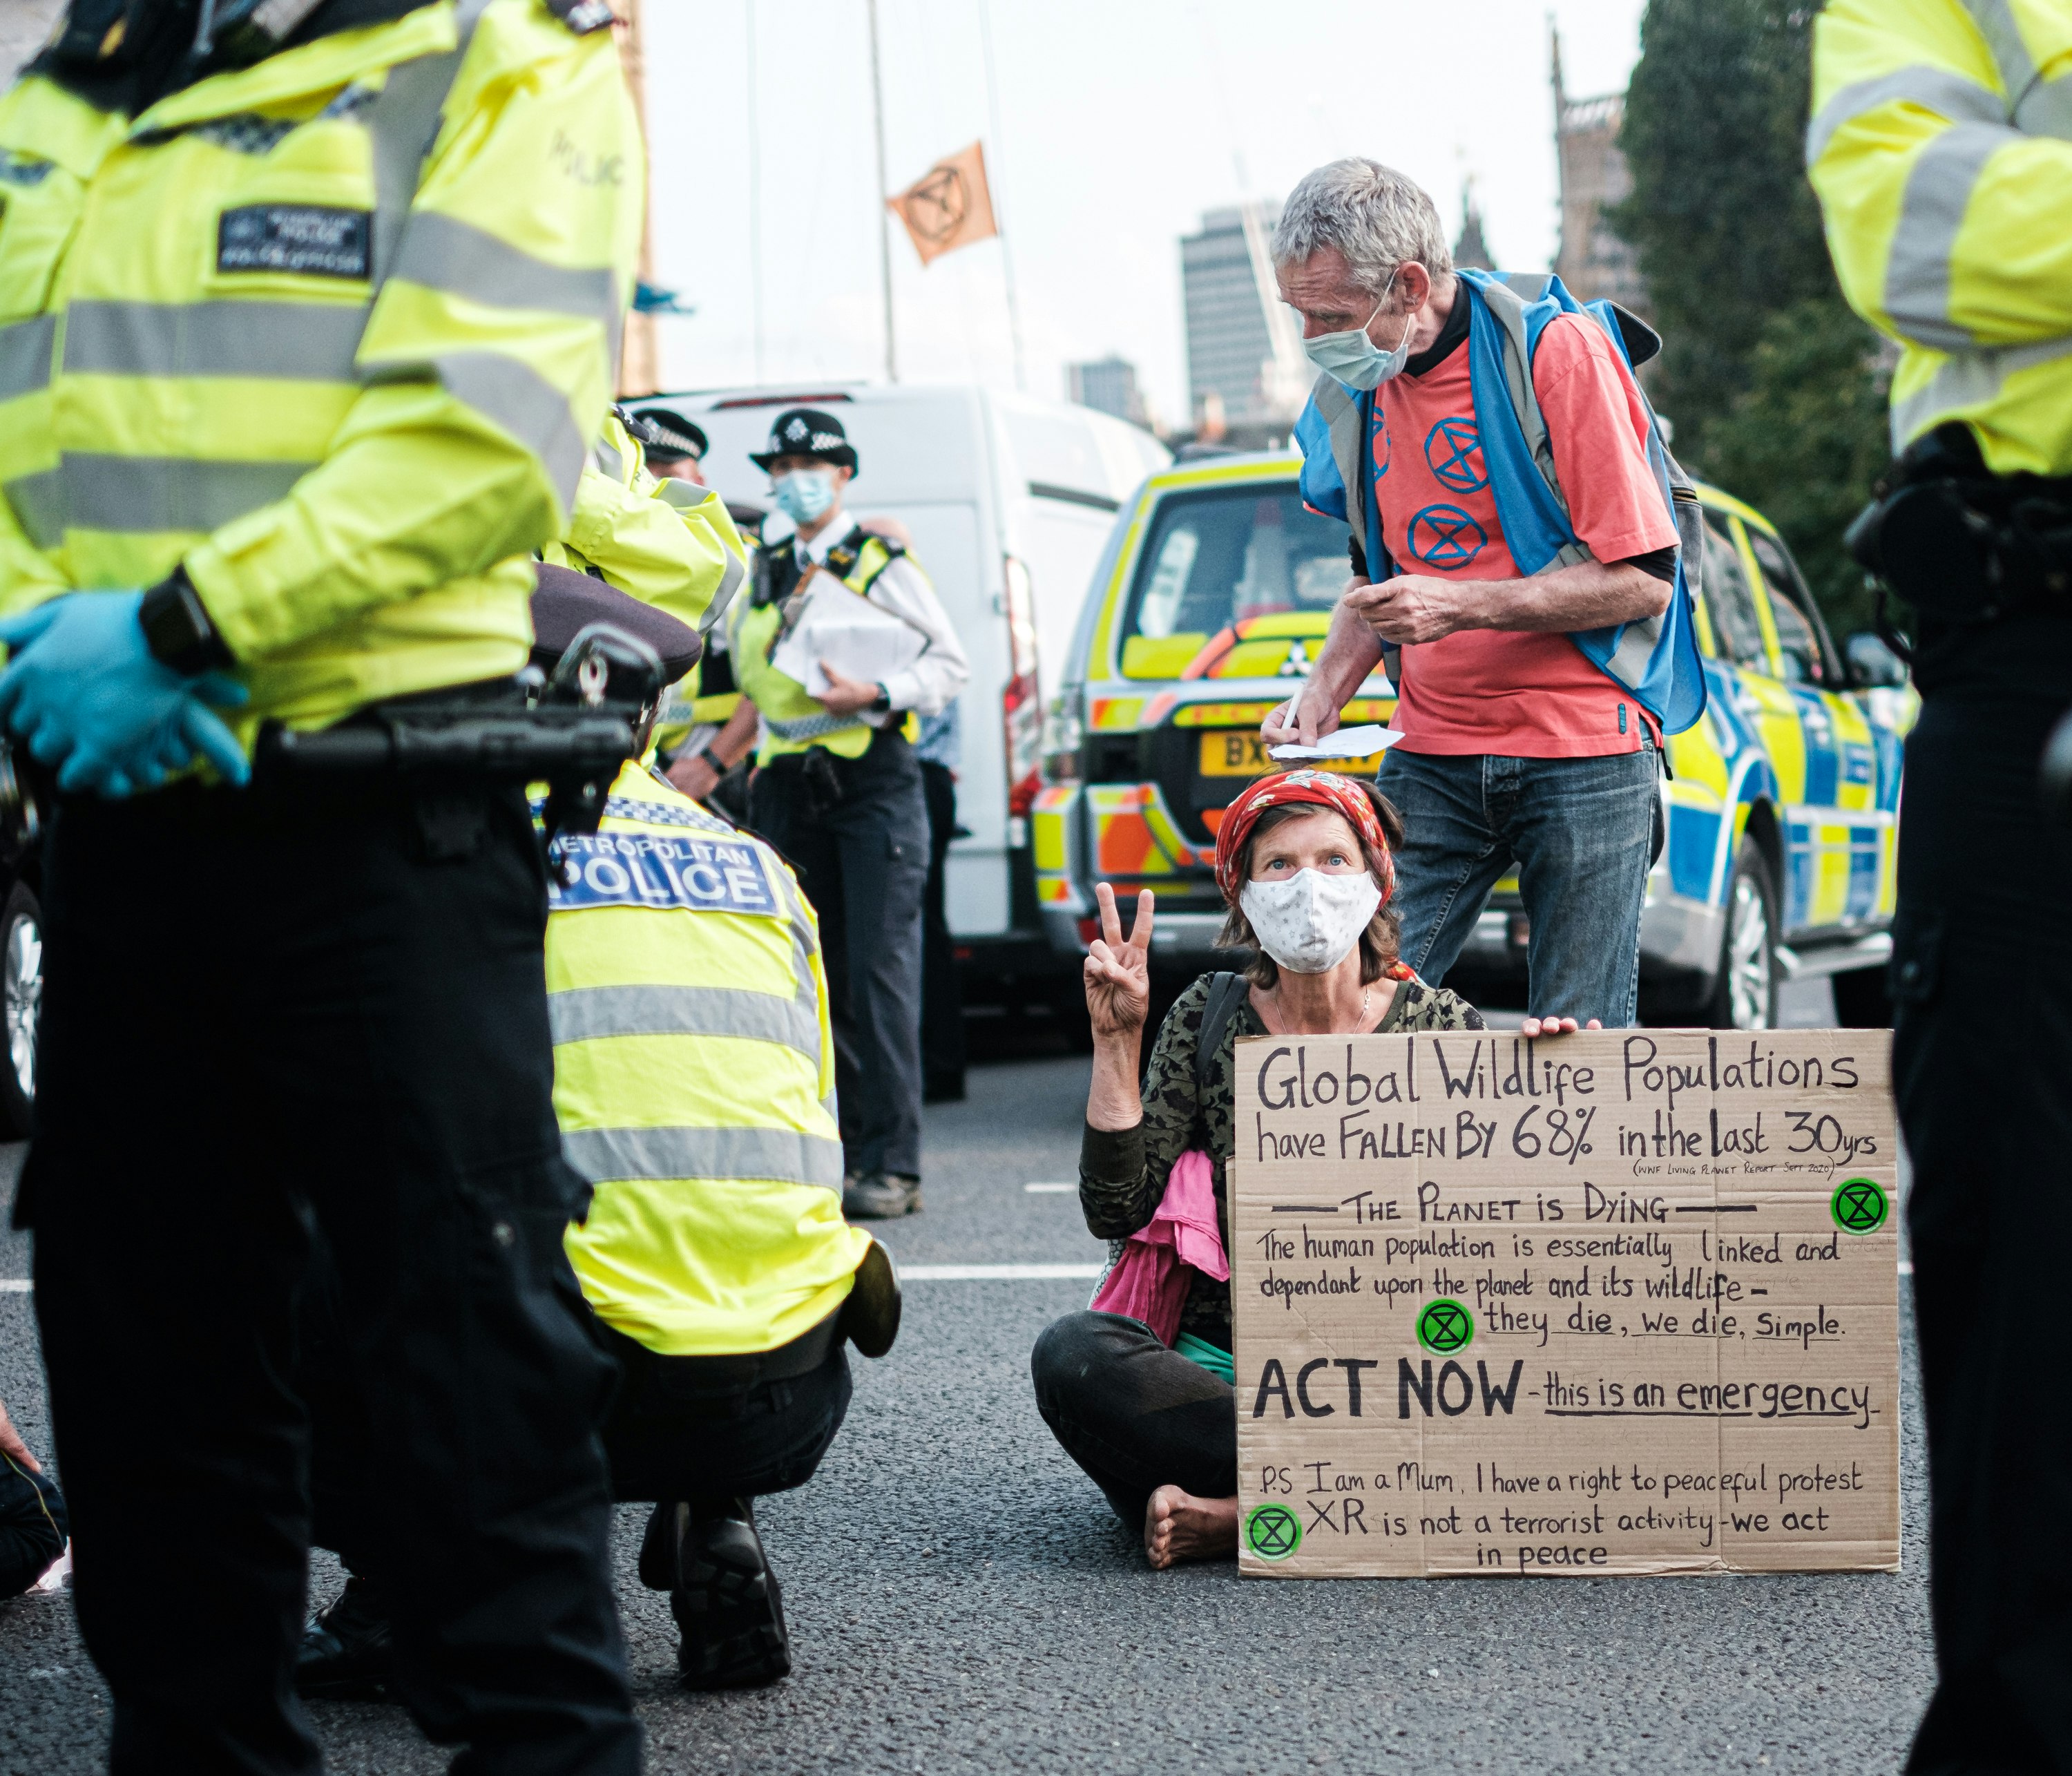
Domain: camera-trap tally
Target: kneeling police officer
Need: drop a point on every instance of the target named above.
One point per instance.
(694, 1064)
(838, 790)
(324, 382)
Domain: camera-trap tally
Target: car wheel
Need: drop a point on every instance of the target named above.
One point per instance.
(1862, 1000)
(1744, 990)
(21, 1006)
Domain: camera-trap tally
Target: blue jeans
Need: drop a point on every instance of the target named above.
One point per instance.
(1583, 834)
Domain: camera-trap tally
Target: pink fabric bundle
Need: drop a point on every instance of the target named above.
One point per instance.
(1149, 1282)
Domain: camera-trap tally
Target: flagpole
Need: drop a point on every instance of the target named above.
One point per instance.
(1006, 252)
(754, 195)
(884, 214)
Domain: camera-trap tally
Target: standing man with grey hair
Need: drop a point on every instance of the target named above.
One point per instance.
(1512, 536)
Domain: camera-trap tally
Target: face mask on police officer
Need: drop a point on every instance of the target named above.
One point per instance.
(1309, 922)
(805, 494)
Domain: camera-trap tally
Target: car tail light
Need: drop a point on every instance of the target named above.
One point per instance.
(1021, 714)
(1021, 616)
(1089, 929)
(1064, 732)
(1020, 707)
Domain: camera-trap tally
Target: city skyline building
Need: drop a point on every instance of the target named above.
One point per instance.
(1471, 249)
(1242, 347)
(1108, 385)
(1592, 176)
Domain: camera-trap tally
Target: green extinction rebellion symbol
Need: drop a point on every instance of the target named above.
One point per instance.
(1444, 1327)
(1272, 1532)
(1859, 1205)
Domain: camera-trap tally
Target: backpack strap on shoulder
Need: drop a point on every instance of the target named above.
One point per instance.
(1226, 993)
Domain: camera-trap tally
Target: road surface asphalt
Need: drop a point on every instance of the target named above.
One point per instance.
(960, 1598)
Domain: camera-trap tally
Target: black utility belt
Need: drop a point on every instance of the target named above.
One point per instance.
(1972, 549)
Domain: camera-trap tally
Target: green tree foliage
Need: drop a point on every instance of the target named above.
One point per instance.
(1773, 383)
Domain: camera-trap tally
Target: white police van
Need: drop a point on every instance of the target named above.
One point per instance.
(1009, 500)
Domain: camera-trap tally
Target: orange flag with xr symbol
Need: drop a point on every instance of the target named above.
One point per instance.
(949, 206)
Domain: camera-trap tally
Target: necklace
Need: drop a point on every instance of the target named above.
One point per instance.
(1366, 996)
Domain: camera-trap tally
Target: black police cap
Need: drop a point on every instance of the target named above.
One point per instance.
(668, 437)
(566, 603)
(806, 431)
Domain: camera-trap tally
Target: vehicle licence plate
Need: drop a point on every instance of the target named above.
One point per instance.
(1227, 754)
(1238, 755)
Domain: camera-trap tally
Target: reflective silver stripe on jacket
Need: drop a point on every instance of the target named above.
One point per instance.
(1937, 89)
(811, 727)
(402, 125)
(778, 1155)
(1938, 192)
(2034, 105)
(25, 356)
(140, 495)
(581, 1015)
(517, 398)
(1968, 380)
(444, 254)
(295, 342)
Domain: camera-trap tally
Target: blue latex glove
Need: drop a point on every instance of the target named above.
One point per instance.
(83, 692)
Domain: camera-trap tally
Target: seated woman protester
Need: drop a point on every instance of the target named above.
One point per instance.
(1305, 861)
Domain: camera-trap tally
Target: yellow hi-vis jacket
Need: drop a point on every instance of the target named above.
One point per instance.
(694, 1081)
(792, 721)
(334, 330)
(668, 543)
(1941, 149)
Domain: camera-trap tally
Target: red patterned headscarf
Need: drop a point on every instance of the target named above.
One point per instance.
(1319, 789)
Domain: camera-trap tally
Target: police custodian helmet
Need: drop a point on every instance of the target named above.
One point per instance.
(806, 431)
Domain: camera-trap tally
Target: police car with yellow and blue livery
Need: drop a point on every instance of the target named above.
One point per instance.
(1781, 805)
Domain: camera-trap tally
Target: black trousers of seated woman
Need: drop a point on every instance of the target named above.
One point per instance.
(1135, 1414)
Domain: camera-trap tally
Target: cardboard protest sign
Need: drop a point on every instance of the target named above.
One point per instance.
(1621, 1302)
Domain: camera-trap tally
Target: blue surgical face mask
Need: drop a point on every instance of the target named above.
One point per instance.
(1354, 358)
(805, 494)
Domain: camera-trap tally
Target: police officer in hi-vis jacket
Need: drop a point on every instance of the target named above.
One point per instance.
(837, 789)
(308, 316)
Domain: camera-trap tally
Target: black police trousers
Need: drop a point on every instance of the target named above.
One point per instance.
(266, 1012)
(856, 829)
(1982, 980)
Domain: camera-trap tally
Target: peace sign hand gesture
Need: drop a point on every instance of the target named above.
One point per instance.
(1118, 974)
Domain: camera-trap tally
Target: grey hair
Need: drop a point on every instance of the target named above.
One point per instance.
(1377, 219)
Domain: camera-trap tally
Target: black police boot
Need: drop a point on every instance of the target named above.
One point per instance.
(348, 1650)
(883, 1196)
(727, 1602)
(664, 1534)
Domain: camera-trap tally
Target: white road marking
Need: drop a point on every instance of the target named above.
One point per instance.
(1049, 1190)
(15, 1285)
(1907, 1267)
(995, 1274)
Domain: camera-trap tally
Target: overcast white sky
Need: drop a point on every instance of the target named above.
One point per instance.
(1120, 122)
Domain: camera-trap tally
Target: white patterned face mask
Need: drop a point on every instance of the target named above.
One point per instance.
(1309, 922)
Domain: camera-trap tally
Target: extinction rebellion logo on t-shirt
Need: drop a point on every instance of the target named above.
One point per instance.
(313, 239)
(663, 869)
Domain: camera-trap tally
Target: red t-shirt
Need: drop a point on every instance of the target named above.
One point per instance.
(1517, 693)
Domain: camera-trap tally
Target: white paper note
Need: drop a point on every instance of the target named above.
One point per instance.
(857, 637)
(1360, 742)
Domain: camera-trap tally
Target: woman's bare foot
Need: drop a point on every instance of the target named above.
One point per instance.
(1179, 1527)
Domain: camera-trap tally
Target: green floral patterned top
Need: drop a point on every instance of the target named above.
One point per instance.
(1123, 1171)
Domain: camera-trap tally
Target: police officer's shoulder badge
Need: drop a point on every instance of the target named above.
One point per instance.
(582, 17)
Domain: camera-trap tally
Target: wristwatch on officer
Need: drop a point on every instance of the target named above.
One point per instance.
(718, 766)
(177, 629)
(881, 704)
